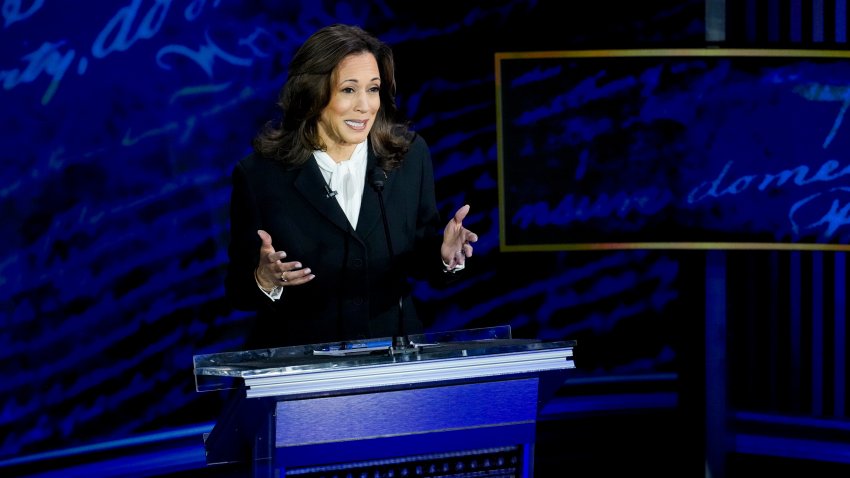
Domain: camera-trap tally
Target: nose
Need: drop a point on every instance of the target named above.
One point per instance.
(362, 103)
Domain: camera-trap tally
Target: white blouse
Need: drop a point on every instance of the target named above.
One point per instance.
(345, 180)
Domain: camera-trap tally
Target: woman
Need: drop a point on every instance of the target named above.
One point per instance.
(309, 249)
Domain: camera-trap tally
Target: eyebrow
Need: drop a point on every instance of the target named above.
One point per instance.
(377, 78)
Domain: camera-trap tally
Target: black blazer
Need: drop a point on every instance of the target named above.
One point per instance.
(356, 291)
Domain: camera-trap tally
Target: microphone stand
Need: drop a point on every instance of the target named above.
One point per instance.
(401, 342)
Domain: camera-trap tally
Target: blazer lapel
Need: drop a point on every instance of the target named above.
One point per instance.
(311, 185)
(370, 208)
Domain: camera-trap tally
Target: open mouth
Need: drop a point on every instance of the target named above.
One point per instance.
(358, 125)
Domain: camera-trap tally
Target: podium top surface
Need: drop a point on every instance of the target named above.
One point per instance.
(335, 366)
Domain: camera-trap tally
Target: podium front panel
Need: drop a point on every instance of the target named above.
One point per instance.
(456, 399)
(405, 423)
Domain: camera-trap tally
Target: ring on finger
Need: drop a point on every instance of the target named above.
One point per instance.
(283, 277)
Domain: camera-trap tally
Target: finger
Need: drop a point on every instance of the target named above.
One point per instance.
(298, 277)
(284, 276)
(471, 236)
(460, 258)
(461, 213)
(290, 267)
(266, 246)
(467, 250)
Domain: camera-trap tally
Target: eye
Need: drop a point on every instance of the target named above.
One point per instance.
(348, 89)
(375, 89)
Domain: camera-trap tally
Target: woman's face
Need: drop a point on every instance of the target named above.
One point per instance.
(355, 99)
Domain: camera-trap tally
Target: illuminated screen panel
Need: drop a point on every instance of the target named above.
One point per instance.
(674, 149)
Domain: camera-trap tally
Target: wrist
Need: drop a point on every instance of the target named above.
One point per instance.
(447, 267)
(260, 283)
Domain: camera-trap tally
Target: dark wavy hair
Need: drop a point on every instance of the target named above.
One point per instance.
(307, 91)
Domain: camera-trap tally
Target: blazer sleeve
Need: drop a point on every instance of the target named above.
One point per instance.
(428, 264)
(243, 250)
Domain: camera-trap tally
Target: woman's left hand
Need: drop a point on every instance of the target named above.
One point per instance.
(457, 240)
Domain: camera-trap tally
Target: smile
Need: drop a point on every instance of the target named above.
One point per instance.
(356, 124)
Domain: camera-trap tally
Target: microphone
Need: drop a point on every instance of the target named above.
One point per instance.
(377, 176)
(328, 193)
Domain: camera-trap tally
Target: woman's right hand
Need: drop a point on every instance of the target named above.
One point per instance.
(273, 272)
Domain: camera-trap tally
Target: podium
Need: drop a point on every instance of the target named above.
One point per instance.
(452, 404)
